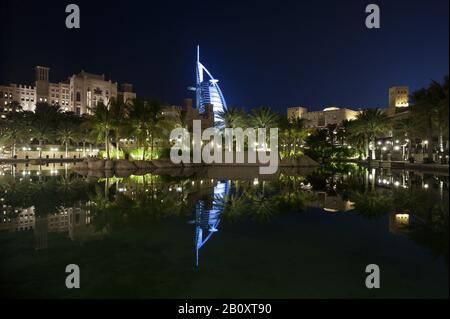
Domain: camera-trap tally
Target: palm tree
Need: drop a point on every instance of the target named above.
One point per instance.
(331, 134)
(231, 117)
(66, 134)
(263, 117)
(293, 132)
(149, 124)
(357, 137)
(407, 128)
(431, 106)
(84, 135)
(118, 113)
(100, 124)
(44, 122)
(14, 130)
(374, 123)
(159, 126)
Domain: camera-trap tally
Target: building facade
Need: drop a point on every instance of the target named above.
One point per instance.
(25, 95)
(398, 107)
(320, 119)
(76, 94)
(398, 99)
(207, 90)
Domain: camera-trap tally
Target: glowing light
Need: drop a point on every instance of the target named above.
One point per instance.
(402, 218)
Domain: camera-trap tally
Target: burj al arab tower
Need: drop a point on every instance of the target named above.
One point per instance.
(208, 90)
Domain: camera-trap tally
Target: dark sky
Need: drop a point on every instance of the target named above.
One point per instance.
(276, 53)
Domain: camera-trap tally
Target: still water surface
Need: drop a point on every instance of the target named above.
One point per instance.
(214, 233)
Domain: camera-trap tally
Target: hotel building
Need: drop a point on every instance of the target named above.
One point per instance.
(320, 119)
(77, 93)
(398, 105)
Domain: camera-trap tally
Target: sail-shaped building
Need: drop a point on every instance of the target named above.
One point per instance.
(207, 220)
(208, 90)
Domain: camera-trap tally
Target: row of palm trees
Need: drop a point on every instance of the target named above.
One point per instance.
(142, 121)
(146, 124)
(427, 121)
(103, 124)
(292, 132)
(369, 125)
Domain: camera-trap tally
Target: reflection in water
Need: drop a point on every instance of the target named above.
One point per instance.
(399, 223)
(411, 205)
(208, 220)
(62, 202)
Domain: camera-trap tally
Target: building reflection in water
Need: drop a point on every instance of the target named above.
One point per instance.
(74, 221)
(207, 220)
(332, 197)
(332, 203)
(399, 223)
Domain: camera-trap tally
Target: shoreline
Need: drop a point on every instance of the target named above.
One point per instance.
(95, 164)
(422, 167)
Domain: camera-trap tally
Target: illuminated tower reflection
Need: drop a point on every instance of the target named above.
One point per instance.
(208, 220)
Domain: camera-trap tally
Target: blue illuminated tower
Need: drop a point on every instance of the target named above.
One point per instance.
(208, 90)
(207, 220)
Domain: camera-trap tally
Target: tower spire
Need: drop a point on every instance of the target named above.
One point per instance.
(198, 53)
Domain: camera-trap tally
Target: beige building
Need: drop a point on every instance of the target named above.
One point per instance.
(398, 99)
(319, 119)
(76, 94)
(23, 94)
(126, 94)
(398, 107)
(87, 89)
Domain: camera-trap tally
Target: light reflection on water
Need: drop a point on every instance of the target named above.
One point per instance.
(85, 208)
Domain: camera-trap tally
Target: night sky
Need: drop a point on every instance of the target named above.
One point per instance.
(275, 53)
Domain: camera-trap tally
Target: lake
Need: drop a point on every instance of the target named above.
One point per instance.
(224, 233)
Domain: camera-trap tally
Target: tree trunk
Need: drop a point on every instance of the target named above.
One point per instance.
(67, 149)
(84, 149)
(117, 144)
(409, 149)
(332, 142)
(372, 142)
(40, 148)
(366, 148)
(107, 143)
(151, 154)
(14, 149)
(429, 145)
